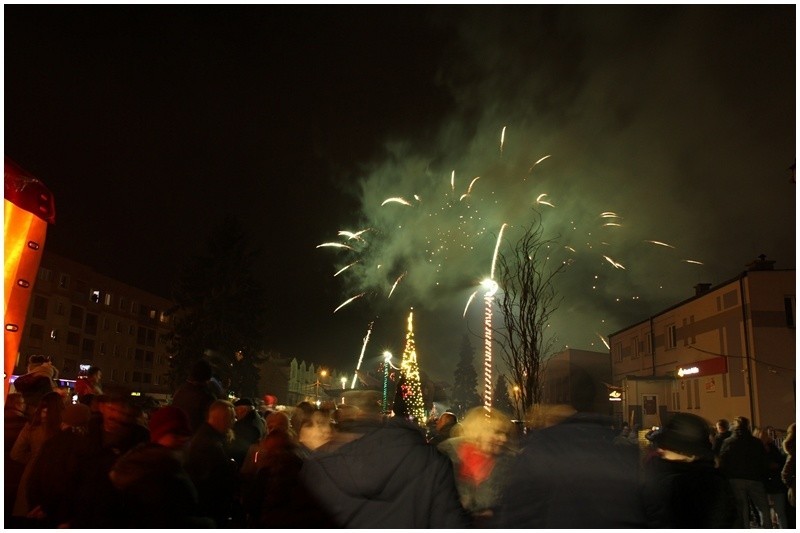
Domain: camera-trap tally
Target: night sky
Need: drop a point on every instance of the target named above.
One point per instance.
(151, 123)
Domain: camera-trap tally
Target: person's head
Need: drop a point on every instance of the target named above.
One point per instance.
(300, 413)
(36, 360)
(242, 406)
(119, 415)
(94, 374)
(201, 371)
(277, 422)
(48, 412)
(722, 425)
(685, 437)
(488, 429)
(15, 402)
(169, 427)
(316, 430)
(221, 416)
(361, 405)
(447, 419)
(741, 424)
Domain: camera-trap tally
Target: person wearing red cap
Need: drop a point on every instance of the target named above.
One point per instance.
(153, 480)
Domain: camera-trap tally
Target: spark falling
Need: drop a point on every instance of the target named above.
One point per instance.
(361, 356)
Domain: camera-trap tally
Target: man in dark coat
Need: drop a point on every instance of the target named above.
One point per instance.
(211, 468)
(569, 473)
(744, 462)
(249, 429)
(382, 475)
(723, 428)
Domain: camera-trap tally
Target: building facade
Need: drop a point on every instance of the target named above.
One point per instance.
(728, 351)
(572, 373)
(79, 317)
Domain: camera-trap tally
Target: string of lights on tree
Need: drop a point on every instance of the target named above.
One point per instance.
(408, 399)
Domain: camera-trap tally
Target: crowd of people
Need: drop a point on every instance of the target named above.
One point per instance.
(204, 461)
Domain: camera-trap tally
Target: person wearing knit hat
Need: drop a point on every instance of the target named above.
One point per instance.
(682, 486)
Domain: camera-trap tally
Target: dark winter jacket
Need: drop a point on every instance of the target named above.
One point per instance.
(743, 457)
(152, 478)
(688, 495)
(214, 474)
(719, 439)
(387, 477)
(571, 475)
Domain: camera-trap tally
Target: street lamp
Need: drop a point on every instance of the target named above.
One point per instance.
(516, 400)
(387, 356)
(322, 373)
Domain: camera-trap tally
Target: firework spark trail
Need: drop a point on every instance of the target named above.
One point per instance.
(345, 268)
(612, 224)
(616, 265)
(539, 161)
(541, 200)
(608, 214)
(395, 284)
(453, 181)
(397, 200)
(349, 300)
(334, 245)
(692, 261)
(604, 340)
(496, 248)
(502, 140)
(469, 301)
(361, 357)
(661, 244)
(352, 235)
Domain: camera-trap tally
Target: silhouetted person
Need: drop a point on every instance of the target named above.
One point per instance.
(211, 468)
(376, 474)
(723, 428)
(569, 474)
(36, 382)
(90, 384)
(443, 428)
(743, 460)
(14, 420)
(249, 429)
(155, 486)
(683, 488)
(196, 394)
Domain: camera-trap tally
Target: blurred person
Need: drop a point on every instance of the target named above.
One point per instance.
(273, 496)
(443, 428)
(723, 428)
(50, 492)
(90, 384)
(315, 431)
(481, 457)
(36, 382)
(15, 420)
(568, 473)
(683, 488)
(196, 394)
(211, 468)
(248, 429)
(44, 425)
(155, 487)
(776, 490)
(112, 433)
(381, 474)
(743, 460)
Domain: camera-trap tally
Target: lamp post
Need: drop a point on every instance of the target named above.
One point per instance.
(343, 379)
(516, 400)
(387, 356)
(322, 373)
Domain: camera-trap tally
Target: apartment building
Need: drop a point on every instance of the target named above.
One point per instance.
(728, 351)
(79, 317)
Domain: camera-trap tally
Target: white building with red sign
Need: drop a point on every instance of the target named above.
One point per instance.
(728, 351)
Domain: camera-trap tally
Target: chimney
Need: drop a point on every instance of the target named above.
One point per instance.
(701, 288)
(761, 264)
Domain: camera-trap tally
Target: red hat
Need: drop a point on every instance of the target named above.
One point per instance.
(166, 420)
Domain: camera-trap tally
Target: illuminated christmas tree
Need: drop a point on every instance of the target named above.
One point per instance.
(408, 396)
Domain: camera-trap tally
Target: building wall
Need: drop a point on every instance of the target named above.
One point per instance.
(573, 368)
(78, 316)
(744, 352)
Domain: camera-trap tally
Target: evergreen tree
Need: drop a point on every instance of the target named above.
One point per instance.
(408, 401)
(465, 381)
(220, 309)
(502, 397)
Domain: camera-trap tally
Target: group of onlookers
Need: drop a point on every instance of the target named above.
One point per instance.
(206, 462)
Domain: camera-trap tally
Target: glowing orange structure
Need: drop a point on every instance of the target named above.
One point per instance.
(28, 208)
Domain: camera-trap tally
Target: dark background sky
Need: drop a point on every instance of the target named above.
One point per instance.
(150, 123)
